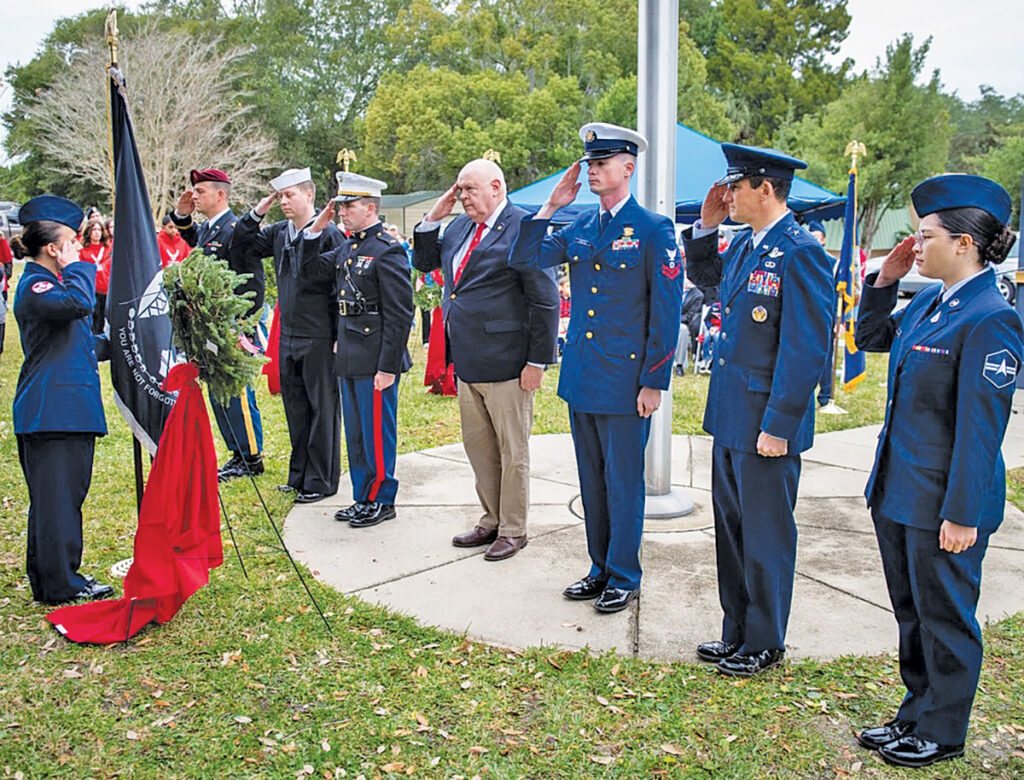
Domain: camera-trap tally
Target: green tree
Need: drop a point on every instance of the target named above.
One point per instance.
(771, 58)
(904, 126)
(1004, 163)
(981, 126)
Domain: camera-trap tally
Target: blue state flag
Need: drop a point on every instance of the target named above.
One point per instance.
(854, 367)
(141, 352)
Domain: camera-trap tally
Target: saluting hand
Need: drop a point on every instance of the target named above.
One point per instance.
(444, 205)
(956, 538)
(323, 219)
(714, 209)
(564, 192)
(264, 205)
(897, 263)
(68, 253)
(186, 203)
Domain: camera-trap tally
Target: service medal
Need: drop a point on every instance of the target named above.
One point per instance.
(759, 314)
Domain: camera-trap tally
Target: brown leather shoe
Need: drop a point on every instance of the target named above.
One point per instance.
(478, 536)
(505, 547)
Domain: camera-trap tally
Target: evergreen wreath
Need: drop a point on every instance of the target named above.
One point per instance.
(208, 321)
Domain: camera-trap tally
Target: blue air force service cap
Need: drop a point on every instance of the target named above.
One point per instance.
(51, 208)
(959, 190)
(601, 140)
(747, 161)
(352, 186)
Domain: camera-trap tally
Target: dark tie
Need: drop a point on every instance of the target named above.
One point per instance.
(603, 219)
(204, 234)
(932, 307)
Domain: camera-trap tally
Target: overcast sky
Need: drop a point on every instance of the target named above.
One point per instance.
(975, 42)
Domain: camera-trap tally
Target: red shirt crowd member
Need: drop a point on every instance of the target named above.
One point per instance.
(173, 248)
(96, 243)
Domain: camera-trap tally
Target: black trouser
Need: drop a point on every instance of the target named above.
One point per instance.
(99, 313)
(309, 391)
(58, 470)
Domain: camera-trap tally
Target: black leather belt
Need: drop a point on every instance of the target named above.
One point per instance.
(356, 308)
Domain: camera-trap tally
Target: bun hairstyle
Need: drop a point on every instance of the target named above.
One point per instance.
(993, 239)
(36, 235)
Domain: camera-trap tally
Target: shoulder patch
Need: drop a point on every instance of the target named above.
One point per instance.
(41, 287)
(1000, 368)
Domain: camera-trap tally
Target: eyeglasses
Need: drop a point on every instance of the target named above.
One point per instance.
(920, 238)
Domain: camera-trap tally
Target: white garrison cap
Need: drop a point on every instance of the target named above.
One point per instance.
(601, 140)
(290, 178)
(352, 186)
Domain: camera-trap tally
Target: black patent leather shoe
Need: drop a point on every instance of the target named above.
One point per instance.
(615, 599)
(749, 664)
(880, 736)
(912, 751)
(90, 592)
(713, 652)
(230, 468)
(587, 588)
(349, 512)
(309, 498)
(373, 514)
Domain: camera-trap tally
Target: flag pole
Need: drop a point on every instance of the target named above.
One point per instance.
(110, 33)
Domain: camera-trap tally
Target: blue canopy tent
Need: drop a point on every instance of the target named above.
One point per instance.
(699, 163)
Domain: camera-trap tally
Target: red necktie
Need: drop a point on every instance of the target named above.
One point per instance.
(472, 245)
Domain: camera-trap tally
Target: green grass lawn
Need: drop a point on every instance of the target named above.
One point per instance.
(246, 682)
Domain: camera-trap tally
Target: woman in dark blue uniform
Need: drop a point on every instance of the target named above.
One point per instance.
(58, 411)
(938, 487)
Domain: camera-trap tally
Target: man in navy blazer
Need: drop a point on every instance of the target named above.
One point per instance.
(500, 326)
(777, 310)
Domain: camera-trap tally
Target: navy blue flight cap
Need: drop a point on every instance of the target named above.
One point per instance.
(815, 226)
(601, 140)
(959, 190)
(747, 161)
(52, 208)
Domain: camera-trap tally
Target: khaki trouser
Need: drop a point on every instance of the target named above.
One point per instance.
(496, 421)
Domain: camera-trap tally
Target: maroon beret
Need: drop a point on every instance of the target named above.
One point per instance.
(208, 174)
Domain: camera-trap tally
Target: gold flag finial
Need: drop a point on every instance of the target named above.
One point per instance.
(493, 156)
(855, 149)
(346, 156)
(110, 32)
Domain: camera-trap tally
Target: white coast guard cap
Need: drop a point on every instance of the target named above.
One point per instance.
(290, 178)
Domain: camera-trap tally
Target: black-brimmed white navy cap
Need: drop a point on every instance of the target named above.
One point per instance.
(601, 140)
(352, 186)
(746, 161)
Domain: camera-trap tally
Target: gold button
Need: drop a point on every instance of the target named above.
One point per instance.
(623, 265)
(342, 292)
(366, 330)
(597, 266)
(355, 246)
(590, 312)
(593, 289)
(575, 257)
(632, 355)
(590, 335)
(452, 296)
(349, 261)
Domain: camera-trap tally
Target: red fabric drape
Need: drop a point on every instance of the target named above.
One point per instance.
(439, 376)
(177, 541)
(273, 368)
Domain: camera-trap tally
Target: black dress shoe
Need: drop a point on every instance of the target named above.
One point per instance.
(309, 498)
(230, 468)
(587, 588)
(350, 512)
(912, 751)
(749, 664)
(880, 736)
(615, 599)
(373, 514)
(285, 489)
(713, 652)
(241, 466)
(93, 590)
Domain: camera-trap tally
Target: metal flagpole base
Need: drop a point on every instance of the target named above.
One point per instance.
(675, 503)
(831, 408)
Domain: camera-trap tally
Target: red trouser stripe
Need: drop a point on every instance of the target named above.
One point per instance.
(378, 445)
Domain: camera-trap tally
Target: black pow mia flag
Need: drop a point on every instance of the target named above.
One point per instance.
(141, 352)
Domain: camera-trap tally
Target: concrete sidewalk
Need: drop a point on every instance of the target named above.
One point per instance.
(840, 604)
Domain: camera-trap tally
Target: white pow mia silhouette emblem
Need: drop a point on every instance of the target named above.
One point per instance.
(1000, 368)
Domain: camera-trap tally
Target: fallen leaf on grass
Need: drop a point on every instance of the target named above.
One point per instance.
(602, 760)
(466, 685)
(602, 701)
(672, 750)
(731, 738)
(420, 719)
(394, 766)
(242, 719)
(615, 670)
(421, 671)
(435, 760)
(325, 745)
(132, 735)
(478, 750)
